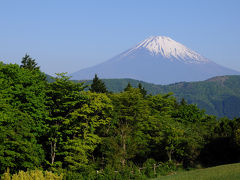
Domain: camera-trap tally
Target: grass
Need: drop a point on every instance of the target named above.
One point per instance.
(224, 172)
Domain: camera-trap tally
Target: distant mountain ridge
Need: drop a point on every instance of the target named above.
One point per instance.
(159, 60)
(219, 96)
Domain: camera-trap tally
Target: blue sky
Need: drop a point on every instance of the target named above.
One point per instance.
(68, 35)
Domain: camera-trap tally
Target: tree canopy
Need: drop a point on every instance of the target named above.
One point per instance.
(64, 127)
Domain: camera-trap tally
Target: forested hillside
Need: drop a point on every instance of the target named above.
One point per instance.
(80, 133)
(219, 96)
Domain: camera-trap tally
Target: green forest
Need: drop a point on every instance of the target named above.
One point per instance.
(219, 96)
(70, 130)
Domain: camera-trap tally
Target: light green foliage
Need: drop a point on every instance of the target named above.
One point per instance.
(174, 140)
(129, 120)
(131, 107)
(32, 175)
(94, 112)
(77, 151)
(189, 113)
(82, 126)
(74, 117)
(6, 175)
(162, 105)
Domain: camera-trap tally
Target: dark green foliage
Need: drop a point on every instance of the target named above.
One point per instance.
(142, 90)
(223, 147)
(128, 87)
(22, 115)
(18, 146)
(148, 168)
(98, 85)
(29, 63)
(63, 97)
(24, 90)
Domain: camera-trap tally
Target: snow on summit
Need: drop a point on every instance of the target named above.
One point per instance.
(158, 60)
(168, 48)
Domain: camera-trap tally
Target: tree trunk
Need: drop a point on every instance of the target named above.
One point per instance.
(169, 154)
(124, 151)
(123, 137)
(53, 151)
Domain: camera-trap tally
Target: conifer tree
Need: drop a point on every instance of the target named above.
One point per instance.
(142, 90)
(183, 102)
(128, 87)
(29, 63)
(98, 85)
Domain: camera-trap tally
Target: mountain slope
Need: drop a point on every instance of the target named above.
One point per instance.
(159, 60)
(219, 96)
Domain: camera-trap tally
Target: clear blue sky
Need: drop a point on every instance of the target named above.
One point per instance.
(68, 35)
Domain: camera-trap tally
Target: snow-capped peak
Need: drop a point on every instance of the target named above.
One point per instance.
(168, 48)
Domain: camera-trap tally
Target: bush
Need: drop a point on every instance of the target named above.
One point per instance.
(166, 168)
(128, 172)
(73, 176)
(108, 173)
(148, 168)
(32, 175)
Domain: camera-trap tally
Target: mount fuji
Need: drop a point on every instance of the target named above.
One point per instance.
(159, 60)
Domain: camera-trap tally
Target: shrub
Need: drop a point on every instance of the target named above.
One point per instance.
(166, 168)
(148, 169)
(32, 175)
